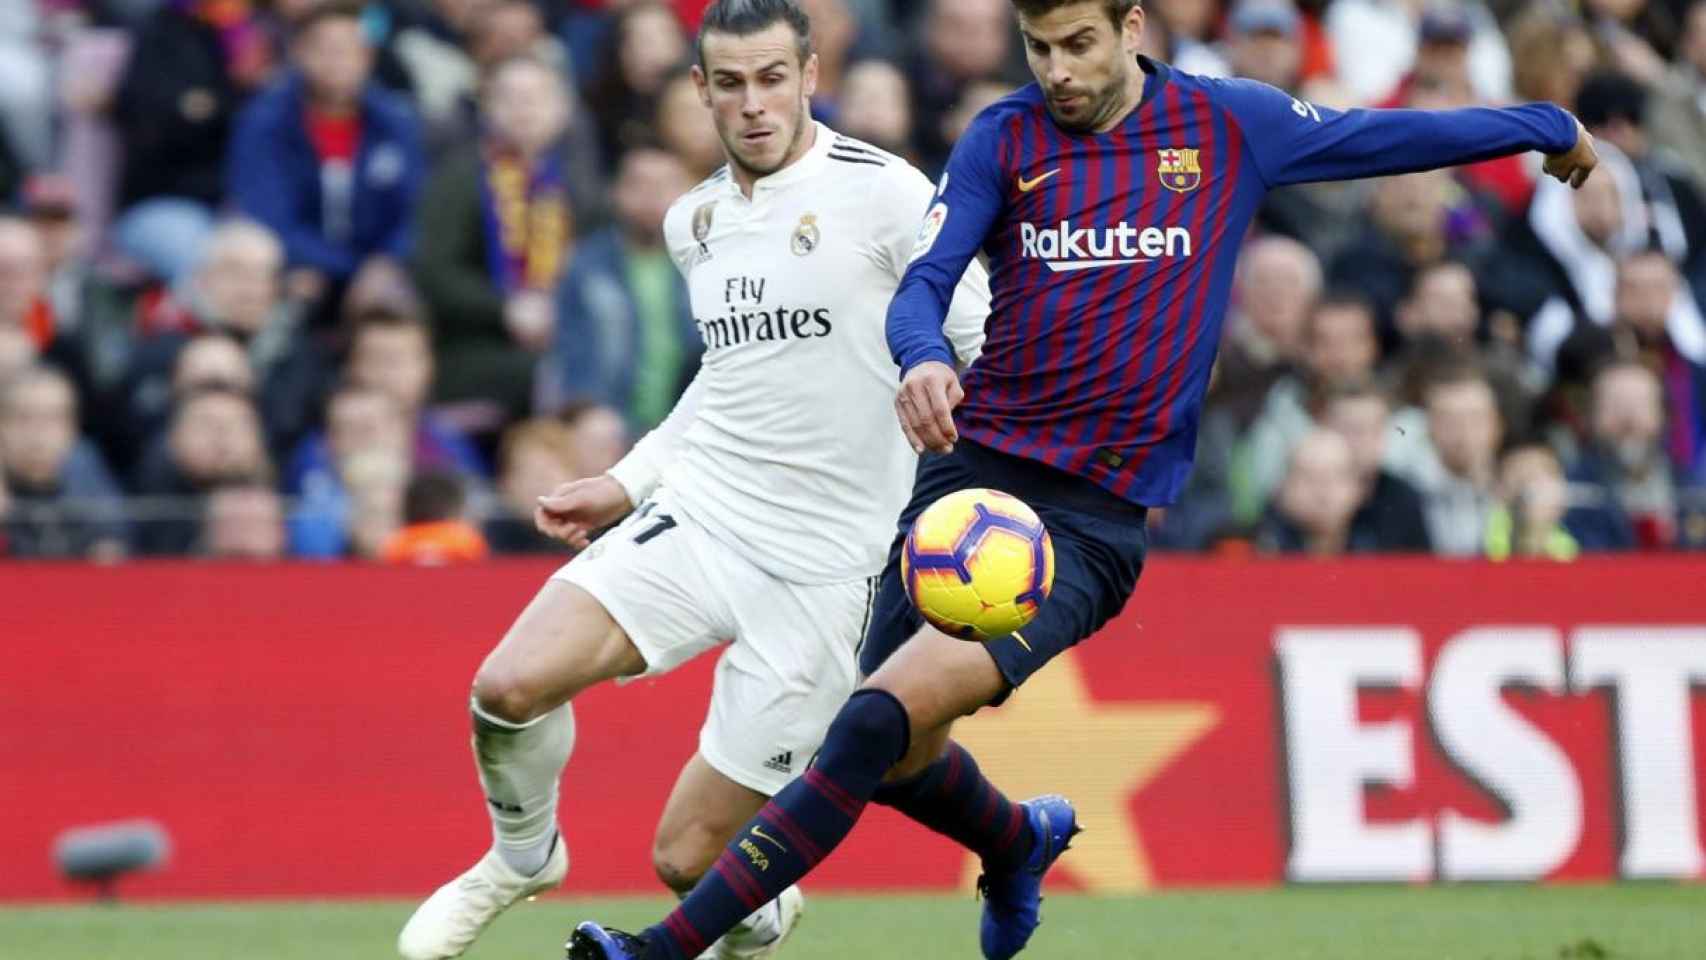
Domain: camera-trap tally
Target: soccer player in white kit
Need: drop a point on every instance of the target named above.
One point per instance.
(759, 512)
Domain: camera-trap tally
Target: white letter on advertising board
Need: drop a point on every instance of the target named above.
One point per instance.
(1650, 670)
(1330, 756)
(1505, 754)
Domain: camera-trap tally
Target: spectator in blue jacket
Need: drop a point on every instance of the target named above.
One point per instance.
(327, 159)
(1626, 493)
(625, 335)
(64, 502)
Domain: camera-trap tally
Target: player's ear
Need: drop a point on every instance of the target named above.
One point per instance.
(1131, 31)
(702, 85)
(808, 78)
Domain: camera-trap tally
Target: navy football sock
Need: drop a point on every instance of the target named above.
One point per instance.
(955, 799)
(795, 830)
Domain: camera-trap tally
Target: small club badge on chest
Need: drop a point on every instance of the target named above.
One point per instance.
(806, 236)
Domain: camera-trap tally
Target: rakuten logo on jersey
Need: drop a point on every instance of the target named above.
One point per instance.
(1066, 248)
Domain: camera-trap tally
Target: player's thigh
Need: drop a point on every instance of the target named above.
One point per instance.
(635, 603)
(938, 679)
(563, 642)
(784, 678)
(704, 811)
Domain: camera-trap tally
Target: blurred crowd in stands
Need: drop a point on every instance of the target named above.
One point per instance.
(316, 278)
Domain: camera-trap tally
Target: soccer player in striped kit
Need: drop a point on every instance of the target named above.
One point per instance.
(1110, 198)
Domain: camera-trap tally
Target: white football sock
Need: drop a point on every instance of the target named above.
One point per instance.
(520, 767)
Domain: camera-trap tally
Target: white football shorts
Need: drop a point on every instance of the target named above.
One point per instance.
(791, 660)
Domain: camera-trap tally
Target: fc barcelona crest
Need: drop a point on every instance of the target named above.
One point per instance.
(1180, 169)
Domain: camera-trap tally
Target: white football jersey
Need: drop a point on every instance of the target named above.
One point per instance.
(786, 446)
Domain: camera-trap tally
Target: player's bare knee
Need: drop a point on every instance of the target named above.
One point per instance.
(505, 693)
(680, 860)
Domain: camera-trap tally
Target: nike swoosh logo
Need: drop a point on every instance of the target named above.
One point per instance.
(758, 832)
(1026, 186)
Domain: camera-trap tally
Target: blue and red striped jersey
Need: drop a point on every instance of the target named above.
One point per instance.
(1111, 254)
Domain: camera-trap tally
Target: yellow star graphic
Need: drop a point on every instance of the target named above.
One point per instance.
(1053, 737)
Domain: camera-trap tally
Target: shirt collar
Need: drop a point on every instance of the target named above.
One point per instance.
(804, 168)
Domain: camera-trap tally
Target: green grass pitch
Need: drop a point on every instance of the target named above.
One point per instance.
(1627, 922)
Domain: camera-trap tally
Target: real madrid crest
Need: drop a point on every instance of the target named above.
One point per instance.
(1180, 169)
(702, 221)
(806, 236)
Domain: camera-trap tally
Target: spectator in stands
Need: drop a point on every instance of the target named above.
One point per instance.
(535, 457)
(434, 50)
(361, 421)
(1313, 509)
(1657, 323)
(646, 43)
(684, 126)
(244, 521)
(435, 530)
(498, 224)
(1389, 516)
(1188, 26)
(1277, 283)
(1528, 522)
(23, 283)
(1414, 220)
(834, 32)
(215, 438)
(393, 352)
(1677, 122)
(964, 41)
(1637, 36)
(1375, 43)
(1263, 42)
(876, 106)
(191, 67)
(1465, 430)
(1552, 52)
(1339, 348)
(1613, 107)
(64, 502)
(328, 160)
(625, 334)
(600, 437)
(377, 483)
(1634, 498)
(17, 352)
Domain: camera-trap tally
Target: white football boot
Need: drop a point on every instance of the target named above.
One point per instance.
(454, 915)
(761, 935)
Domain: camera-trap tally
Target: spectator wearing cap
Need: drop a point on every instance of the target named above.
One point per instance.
(64, 502)
(625, 335)
(328, 160)
(1375, 43)
(192, 66)
(1677, 121)
(1613, 106)
(1629, 496)
(1440, 79)
(498, 224)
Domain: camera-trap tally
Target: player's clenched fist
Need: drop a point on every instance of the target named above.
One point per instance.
(926, 405)
(1574, 166)
(573, 511)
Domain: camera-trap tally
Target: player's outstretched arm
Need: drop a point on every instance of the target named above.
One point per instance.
(1294, 141)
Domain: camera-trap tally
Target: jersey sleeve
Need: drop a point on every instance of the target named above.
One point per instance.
(1294, 141)
(678, 234)
(967, 202)
(640, 471)
(898, 234)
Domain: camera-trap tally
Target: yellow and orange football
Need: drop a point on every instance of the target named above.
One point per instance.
(978, 564)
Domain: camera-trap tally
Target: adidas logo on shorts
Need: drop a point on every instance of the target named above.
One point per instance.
(781, 763)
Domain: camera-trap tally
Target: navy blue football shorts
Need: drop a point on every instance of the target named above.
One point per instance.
(1099, 544)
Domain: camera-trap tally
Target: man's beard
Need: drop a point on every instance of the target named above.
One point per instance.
(1101, 107)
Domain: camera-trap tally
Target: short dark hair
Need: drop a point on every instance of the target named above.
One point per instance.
(433, 496)
(386, 317)
(744, 18)
(324, 12)
(1115, 9)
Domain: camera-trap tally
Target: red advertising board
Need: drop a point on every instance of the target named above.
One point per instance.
(302, 730)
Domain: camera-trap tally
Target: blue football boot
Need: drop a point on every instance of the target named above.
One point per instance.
(1012, 899)
(593, 942)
